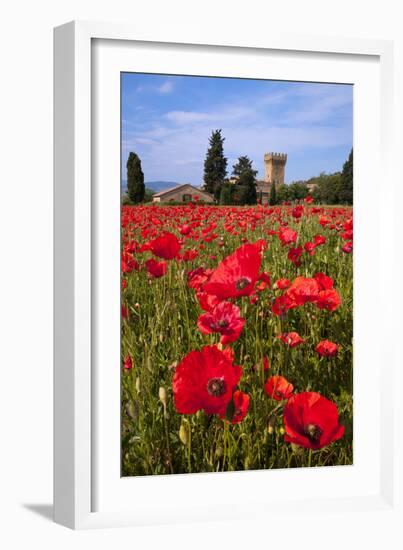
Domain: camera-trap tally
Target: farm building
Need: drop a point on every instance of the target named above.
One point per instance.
(183, 193)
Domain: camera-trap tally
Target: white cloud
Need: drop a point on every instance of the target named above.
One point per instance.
(185, 117)
(228, 114)
(166, 88)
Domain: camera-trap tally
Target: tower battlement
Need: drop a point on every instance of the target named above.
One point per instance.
(274, 167)
(275, 156)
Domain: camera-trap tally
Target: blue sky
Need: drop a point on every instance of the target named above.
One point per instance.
(167, 121)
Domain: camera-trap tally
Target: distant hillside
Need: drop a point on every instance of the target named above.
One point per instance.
(154, 185)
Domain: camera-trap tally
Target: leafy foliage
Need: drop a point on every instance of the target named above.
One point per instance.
(346, 183)
(245, 192)
(226, 194)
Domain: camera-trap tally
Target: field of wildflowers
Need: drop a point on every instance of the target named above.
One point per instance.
(236, 337)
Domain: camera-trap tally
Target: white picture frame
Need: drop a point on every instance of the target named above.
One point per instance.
(80, 311)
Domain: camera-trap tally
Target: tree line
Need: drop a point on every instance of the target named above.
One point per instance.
(336, 188)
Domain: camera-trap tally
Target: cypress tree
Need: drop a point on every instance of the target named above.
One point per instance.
(273, 195)
(135, 179)
(215, 165)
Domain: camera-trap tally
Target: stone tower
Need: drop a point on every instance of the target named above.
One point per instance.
(274, 167)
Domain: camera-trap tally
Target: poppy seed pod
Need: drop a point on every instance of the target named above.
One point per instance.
(183, 434)
(162, 394)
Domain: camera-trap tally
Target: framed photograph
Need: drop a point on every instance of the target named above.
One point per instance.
(215, 326)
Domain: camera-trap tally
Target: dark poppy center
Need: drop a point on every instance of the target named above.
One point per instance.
(312, 432)
(242, 283)
(219, 324)
(216, 387)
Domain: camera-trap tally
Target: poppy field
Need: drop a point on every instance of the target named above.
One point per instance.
(236, 337)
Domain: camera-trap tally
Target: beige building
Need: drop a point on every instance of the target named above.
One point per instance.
(311, 187)
(183, 193)
(274, 173)
(274, 168)
(263, 190)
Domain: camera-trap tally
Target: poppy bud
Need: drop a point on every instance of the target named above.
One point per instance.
(138, 384)
(282, 431)
(162, 394)
(132, 410)
(219, 452)
(183, 434)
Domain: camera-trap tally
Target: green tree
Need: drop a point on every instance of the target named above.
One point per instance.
(246, 184)
(273, 195)
(148, 195)
(215, 164)
(226, 193)
(135, 179)
(283, 193)
(327, 188)
(346, 182)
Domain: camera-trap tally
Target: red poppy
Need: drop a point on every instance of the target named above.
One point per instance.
(287, 235)
(225, 319)
(207, 301)
(294, 255)
(131, 247)
(297, 211)
(319, 239)
(278, 388)
(185, 229)
(156, 269)
(205, 380)
(129, 264)
(328, 299)
(282, 304)
(165, 246)
(128, 363)
(326, 348)
(302, 290)
(265, 278)
(347, 247)
(292, 339)
(237, 274)
(197, 277)
(189, 255)
(308, 199)
(241, 405)
(324, 281)
(310, 248)
(311, 421)
(282, 283)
